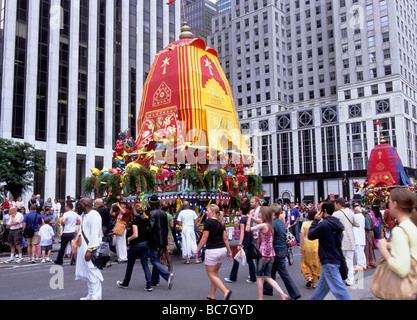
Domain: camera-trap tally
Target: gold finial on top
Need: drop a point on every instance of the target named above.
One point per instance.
(186, 31)
(382, 140)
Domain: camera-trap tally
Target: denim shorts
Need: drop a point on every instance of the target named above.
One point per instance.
(46, 248)
(263, 268)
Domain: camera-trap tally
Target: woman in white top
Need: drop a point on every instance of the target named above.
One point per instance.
(20, 203)
(57, 208)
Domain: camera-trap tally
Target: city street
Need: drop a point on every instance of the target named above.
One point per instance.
(47, 281)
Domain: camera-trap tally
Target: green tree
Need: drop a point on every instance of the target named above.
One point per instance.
(18, 164)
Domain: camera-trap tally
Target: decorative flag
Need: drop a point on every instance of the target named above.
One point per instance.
(172, 1)
(378, 123)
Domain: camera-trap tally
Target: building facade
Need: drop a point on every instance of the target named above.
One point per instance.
(224, 5)
(199, 15)
(311, 79)
(71, 76)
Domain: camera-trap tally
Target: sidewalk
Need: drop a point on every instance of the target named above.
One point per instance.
(55, 248)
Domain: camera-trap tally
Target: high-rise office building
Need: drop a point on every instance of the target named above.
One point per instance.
(311, 79)
(224, 5)
(199, 14)
(71, 76)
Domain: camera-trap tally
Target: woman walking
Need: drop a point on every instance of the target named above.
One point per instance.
(266, 248)
(138, 248)
(217, 248)
(245, 239)
(309, 249)
(403, 247)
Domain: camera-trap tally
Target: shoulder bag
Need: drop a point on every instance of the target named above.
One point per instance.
(100, 255)
(387, 285)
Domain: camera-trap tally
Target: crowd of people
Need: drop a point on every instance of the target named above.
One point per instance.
(32, 228)
(335, 239)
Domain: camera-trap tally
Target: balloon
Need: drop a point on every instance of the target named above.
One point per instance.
(133, 165)
(386, 178)
(95, 171)
(154, 169)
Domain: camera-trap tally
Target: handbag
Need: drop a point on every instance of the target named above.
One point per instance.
(119, 228)
(290, 239)
(252, 251)
(99, 255)
(29, 232)
(387, 285)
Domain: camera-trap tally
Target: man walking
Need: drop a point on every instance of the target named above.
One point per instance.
(326, 229)
(187, 219)
(292, 217)
(347, 218)
(71, 221)
(158, 241)
(360, 240)
(90, 238)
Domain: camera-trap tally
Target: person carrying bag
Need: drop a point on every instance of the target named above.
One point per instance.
(396, 274)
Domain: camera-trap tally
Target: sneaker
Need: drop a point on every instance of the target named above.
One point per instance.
(86, 298)
(149, 289)
(229, 280)
(18, 260)
(249, 281)
(121, 285)
(170, 281)
(10, 260)
(43, 261)
(58, 262)
(32, 260)
(48, 260)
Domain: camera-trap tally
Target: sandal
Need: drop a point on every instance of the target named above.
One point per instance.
(227, 296)
(210, 298)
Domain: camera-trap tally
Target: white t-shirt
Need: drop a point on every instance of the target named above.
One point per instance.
(71, 221)
(187, 218)
(46, 233)
(19, 219)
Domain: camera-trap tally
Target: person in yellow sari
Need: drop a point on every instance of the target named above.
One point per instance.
(310, 263)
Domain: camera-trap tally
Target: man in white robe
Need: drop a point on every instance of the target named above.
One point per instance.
(85, 270)
(187, 219)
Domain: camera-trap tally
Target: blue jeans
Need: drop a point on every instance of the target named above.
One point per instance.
(295, 230)
(330, 279)
(280, 265)
(139, 250)
(158, 269)
(235, 269)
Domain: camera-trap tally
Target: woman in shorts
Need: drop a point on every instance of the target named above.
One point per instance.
(217, 248)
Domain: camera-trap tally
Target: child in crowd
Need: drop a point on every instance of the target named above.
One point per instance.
(47, 238)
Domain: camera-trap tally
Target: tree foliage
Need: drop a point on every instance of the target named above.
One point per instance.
(18, 164)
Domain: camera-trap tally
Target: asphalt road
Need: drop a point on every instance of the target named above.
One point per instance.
(47, 281)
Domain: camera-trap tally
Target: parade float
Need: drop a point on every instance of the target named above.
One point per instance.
(189, 145)
(385, 172)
